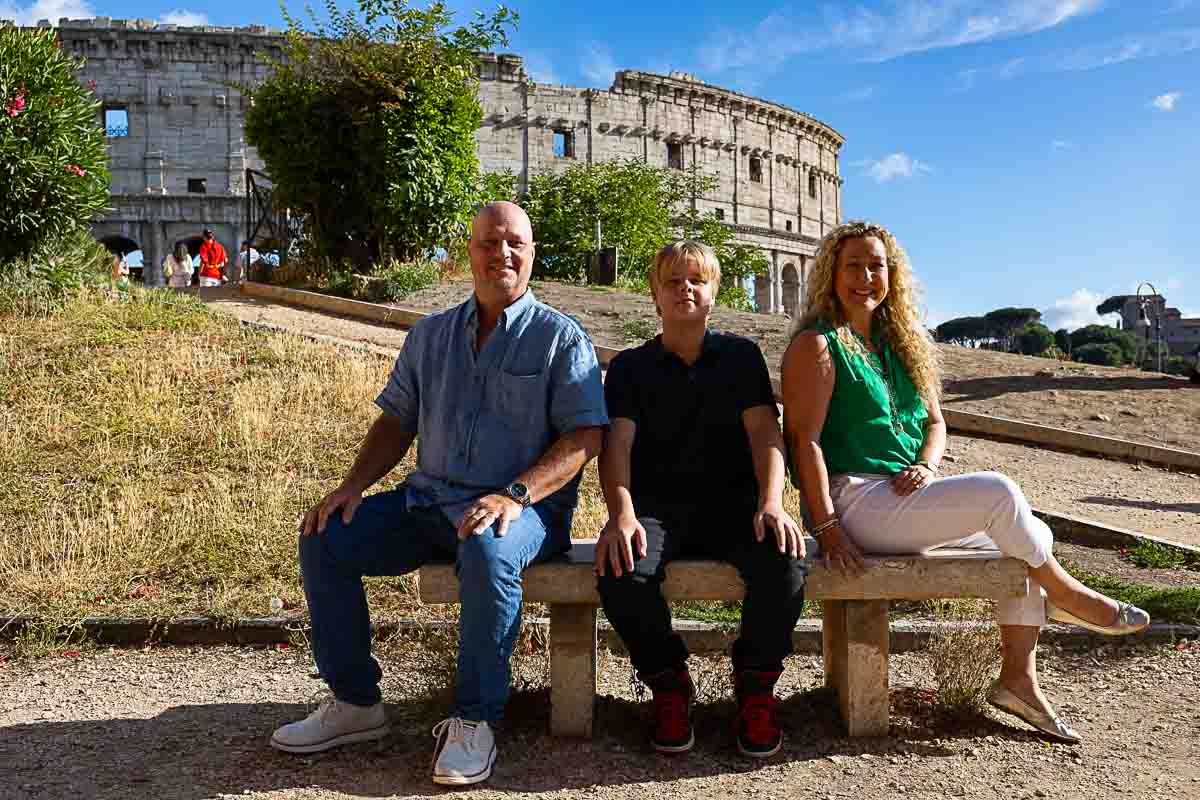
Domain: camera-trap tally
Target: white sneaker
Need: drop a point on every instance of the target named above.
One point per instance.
(465, 754)
(332, 724)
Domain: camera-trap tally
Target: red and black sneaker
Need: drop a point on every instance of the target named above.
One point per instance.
(674, 694)
(756, 726)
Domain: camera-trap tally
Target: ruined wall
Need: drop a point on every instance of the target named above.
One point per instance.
(777, 168)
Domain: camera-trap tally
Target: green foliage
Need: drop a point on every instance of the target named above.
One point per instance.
(1033, 340)
(367, 126)
(1126, 342)
(965, 331)
(1113, 304)
(53, 165)
(1062, 338)
(1152, 555)
(639, 330)
(642, 208)
(1176, 605)
(1106, 354)
(400, 279)
(56, 266)
(1005, 322)
(1177, 365)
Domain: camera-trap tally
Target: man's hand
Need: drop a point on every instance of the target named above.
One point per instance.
(909, 479)
(616, 545)
(491, 508)
(344, 497)
(788, 536)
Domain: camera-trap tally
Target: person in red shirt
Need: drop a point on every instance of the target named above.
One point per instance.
(212, 260)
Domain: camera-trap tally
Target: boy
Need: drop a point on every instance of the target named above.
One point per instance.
(693, 466)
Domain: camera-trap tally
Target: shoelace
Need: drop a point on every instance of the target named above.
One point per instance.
(324, 701)
(455, 730)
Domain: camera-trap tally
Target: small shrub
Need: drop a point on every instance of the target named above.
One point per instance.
(1152, 555)
(54, 267)
(1105, 355)
(53, 165)
(639, 330)
(402, 278)
(1177, 365)
(964, 657)
(735, 297)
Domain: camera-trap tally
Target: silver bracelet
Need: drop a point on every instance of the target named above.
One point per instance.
(824, 526)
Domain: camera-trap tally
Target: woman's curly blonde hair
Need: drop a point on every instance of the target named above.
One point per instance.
(897, 317)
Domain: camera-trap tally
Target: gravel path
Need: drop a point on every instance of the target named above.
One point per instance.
(1146, 499)
(176, 724)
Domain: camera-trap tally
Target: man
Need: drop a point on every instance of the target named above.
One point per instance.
(212, 260)
(505, 393)
(693, 465)
(246, 260)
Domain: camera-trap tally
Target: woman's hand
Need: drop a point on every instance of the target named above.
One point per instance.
(909, 479)
(840, 552)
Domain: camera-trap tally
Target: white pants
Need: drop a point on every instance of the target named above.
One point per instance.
(206, 281)
(981, 510)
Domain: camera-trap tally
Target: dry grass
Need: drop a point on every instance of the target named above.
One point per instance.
(964, 658)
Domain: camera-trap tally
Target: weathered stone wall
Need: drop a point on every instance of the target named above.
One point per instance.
(777, 168)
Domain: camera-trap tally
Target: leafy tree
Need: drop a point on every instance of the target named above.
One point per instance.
(640, 206)
(1112, 305)
(965, 331)
(1034, 339)
(1005, 322)
(1105, 354)
(1126, 342)
(53, 163)
(367, 126)
(1062, 338)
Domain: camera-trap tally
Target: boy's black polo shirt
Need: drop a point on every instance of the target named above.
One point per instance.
(690, 446)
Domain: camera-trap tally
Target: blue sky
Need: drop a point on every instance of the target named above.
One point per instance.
(1040, 153)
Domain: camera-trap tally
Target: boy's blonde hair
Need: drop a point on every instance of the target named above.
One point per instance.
(677, 253)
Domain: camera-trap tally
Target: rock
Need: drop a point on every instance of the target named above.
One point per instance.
(1044, 373)
(1101, 417)
(1125, 412)
(950, 458)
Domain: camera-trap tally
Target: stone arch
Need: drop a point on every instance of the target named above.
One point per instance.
(127, 249)
(791, 290)
(762, 293)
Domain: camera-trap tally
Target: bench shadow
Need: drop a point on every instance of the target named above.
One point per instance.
(201, 751)
(958, 391)
(1148, 505)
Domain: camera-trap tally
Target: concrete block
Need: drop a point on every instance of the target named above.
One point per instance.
(572, 669)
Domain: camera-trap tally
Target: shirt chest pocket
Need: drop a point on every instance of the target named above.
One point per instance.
(518, 397)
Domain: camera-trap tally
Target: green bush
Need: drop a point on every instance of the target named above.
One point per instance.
(1034, 339)
(1125, 341)
(400, 279)
(1177, 365)
(53, 165)
(1106, 355)
(55, 266)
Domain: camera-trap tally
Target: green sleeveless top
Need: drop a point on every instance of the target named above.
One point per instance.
(875, 424)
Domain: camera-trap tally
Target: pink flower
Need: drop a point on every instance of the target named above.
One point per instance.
(76, 170)
(91, 84)
(15, 105)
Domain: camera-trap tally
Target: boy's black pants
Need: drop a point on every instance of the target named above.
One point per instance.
(637, 610)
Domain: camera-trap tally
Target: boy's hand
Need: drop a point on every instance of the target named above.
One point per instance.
(616, 545)
(788, 536)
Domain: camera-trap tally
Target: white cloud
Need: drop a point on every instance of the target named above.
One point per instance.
(1166, 102)
(1075, 310)
(1130, 48)
(598, 65)
(896, 165)
(183, 17)
(539, 68)
(1061, 144)
(905, 26)
(52, 10)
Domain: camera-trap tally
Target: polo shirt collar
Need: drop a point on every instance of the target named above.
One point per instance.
(707, 347)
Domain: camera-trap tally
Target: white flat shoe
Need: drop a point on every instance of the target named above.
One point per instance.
(1002, 698)
(1130, 619)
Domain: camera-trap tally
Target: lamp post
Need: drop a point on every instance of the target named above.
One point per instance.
(1145, 303)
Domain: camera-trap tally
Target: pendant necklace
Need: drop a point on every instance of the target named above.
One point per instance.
(879, 365)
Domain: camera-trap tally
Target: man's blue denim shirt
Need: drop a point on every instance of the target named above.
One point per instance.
(484, 418)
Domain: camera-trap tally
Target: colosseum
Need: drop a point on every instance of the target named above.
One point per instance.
(180, 160)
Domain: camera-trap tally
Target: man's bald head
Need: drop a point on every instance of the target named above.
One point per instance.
(501, 250)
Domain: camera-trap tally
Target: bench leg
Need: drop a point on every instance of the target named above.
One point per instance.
(854, 637)
(572, 669)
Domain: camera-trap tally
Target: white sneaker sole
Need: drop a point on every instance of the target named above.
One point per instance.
(368, 735)
(467, 780)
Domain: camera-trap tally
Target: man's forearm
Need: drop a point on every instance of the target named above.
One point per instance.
(561, 462)
(383, 448)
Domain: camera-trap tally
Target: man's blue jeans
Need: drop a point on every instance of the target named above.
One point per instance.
(388, 537)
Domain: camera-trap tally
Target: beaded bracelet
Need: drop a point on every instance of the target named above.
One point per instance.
(824, 526)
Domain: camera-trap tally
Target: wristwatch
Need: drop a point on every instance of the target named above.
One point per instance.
(520, 493)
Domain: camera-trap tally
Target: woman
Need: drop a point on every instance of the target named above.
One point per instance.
(866, 434)
(177, 267)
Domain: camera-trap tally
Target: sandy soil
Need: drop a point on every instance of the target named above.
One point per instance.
(174, 724)
(1143, 498)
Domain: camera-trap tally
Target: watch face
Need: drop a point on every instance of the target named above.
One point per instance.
(518, 491)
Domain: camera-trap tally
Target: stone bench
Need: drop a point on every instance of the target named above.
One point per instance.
(854, 627)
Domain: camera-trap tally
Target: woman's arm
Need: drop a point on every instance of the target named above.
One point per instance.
(911, 478)
(808, 379)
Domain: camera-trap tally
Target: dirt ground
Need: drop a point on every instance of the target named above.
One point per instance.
(178, 724)
(1143, 498)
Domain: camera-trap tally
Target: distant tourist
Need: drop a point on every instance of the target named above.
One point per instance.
(177, 267)
(212, 260)
(246, 260)
(866, 435)
(693, 467)
(506, 394)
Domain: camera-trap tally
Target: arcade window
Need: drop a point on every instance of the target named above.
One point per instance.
(197, 185)
(812, 184)
(675, 155)
(756, 169)
(720, 212)
(116, 122)
(788, 224)
(564, 144)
